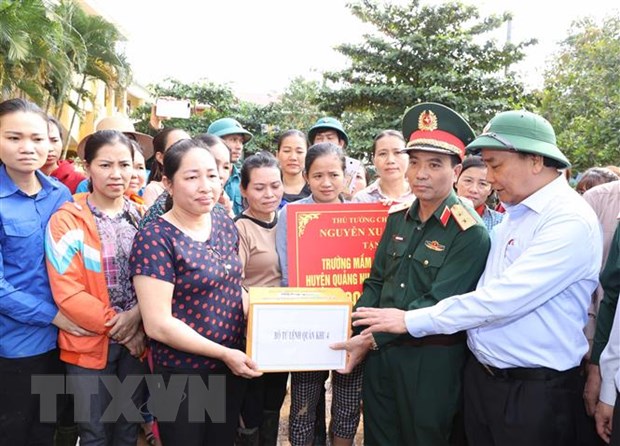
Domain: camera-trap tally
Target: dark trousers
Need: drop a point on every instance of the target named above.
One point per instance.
(20, 409)
(187, 432)
(538, 410)
(93, 429)
(265, 393)
(66, 429)
(412, 394)
(275, 390)
(615, 432)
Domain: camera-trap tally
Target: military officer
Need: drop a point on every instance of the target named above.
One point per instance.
(525, 319)
(610, 281)
(431, 250)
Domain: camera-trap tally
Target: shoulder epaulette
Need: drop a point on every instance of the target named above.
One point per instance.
(463, 216)
(400, 207)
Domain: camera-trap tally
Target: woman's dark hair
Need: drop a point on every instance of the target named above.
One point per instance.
(21, 105)
(291, 132)
(472, 161)
(209, 140)
(323, 149)
(212, 140)
(383, 134)
(101, 138)
(52, 120)
(136, 147)
(174, 157)
(256, 161)
(160, 141)
(593, 177)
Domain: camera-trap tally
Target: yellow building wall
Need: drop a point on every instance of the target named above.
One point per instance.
(105, 102)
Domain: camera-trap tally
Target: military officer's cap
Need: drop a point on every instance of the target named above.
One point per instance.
(432, 127)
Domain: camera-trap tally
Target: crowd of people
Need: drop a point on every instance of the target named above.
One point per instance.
(488, 318)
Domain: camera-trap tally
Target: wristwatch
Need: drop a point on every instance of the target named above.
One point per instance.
(373, 343)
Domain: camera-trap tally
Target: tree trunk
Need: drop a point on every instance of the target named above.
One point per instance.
(75, 112)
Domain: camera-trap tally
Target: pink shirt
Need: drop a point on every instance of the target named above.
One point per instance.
(605, 200)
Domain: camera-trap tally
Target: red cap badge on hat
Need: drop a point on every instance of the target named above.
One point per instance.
(433, 127)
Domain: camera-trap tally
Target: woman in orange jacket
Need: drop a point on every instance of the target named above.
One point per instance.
(87, 248)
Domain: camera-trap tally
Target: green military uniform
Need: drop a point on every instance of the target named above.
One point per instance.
(411, 392)
(610, 281)
(412, 386)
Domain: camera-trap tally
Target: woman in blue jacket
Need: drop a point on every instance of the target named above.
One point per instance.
(29, 319)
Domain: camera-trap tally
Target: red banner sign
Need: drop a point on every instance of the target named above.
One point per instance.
(333, 245)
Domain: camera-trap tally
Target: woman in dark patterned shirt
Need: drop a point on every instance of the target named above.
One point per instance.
(187, 275)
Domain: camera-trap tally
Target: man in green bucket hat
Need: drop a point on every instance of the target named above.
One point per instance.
(328, 129)
(234, 136)
(526, 317)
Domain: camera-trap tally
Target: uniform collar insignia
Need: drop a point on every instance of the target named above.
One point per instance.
(445, 216)
(434, 245)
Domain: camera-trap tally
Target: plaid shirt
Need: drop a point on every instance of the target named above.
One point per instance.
(116, 234)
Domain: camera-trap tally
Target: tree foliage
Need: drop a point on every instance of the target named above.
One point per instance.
(49, 49)
(441, 53)
(296, 108)
(30, 49)
(101, 61)
(213, 101)
(581, 95)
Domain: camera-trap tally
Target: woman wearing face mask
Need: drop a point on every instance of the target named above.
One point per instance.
(324, 171)
(88, 246)
(472, 184)
(63, 170)
(391, 164)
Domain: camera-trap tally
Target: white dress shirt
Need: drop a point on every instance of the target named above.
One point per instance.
(530, 306)
(610, 365)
